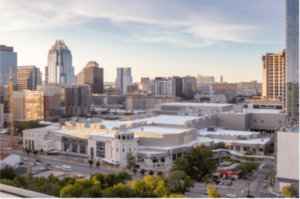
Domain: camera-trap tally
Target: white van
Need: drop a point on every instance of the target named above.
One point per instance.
(65, 167)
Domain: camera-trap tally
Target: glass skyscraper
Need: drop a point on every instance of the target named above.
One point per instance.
(291, 92)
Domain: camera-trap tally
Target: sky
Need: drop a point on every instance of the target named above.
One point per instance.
(156, 38)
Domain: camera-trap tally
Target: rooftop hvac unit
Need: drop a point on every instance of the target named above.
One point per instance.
(211, 128)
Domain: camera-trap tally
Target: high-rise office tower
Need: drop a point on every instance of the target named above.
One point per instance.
(8, 58)
(164, 87)
(46, 75)
(144, 80)
(124, 79)
(291, 93)
(77, 99)
(60, 67)
(273, 74)
(221, 79)
(52, 101)
(93, 76)
(28, 78)
(189, 87)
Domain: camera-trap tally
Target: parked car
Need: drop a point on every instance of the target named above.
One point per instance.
(25, 159)
(204, 191)
(221, 183)
(265, 185)
(57, 167)
(230, 195)
(21, 163)
(38, 160)
(229, 183)
(38, 163)
(43, 169)
(48, 164)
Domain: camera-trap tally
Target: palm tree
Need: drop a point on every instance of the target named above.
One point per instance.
(91, 162)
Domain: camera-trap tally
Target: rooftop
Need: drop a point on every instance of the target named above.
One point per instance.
(273, 111)
(225, 132)
(159, 130)
(196, 104)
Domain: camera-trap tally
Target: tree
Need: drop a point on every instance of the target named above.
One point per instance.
(134, 170)
(272, 179)
(72, 191)
(212, 191)
(7, 182)
(289, 191)
(269, 148)
(7, 173)
(159, 173)
(35, 152)
(151, 172)
(246, 168)
(20, 142)
(197, 163)
(97, 164)
(142, 171)
(91, 162)
(124, 176)
(179, 181)
(27, 151)
(130, 160)
(220, 145)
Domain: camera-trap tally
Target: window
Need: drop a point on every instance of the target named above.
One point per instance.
(237, 148)
(254, 120)
(162, 159)
(128, 137)
(174, 157)
(262, 121)
(100, 149)
(158, 165)
(123, 137)
(123, 150)
(74, 148)
(119, 137)
(117, 149)
(154, 160)
(129, 149)
(261, 149)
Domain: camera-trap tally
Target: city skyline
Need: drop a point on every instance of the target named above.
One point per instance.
(155, 41)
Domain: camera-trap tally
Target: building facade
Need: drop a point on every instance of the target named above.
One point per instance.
(227, 89)
(189, 87)
(28, 78)
(77, 99)
(28, 105)
(291, 96)
(146, 102)
(144, 80)
(273, 72)
(52, 101)
(93, 76)
(248, 85)
(132, 88)
(60, 68)
(207, 80)
(8, 58)
(124, 79)
(111, 90)
(164, 88)
(104, 99)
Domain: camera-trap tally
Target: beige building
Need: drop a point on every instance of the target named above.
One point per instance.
(248, 85)
(133, 87)
(207, 80)
(52, 101)
(28, 78)
(227, 89)
(146, 102)
(111, 90)
(273, 73)
(28, 105)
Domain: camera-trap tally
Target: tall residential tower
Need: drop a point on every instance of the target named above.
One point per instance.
(124, 79)
(60, 67)
(291, 95)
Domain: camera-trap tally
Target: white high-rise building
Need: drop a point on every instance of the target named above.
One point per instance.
(124, 79)
(164, 87)
(60, 69)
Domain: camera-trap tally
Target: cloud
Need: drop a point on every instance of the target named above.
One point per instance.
(208, 20)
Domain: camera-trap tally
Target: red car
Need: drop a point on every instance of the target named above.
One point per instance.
(38, 160)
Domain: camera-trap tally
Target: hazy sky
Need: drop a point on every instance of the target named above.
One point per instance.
(153, 37)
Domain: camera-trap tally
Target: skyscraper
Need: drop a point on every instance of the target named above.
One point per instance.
(60, 67)
(124, 79)
(8, 58)
(28, 78)
(273, 75)
(92, 75)
(291, 93)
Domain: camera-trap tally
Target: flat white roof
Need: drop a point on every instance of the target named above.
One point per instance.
(74, 132)
(151, 152)
(225, 132)
(160, 119)
(250, 141)
(195, 104)
(158, 130)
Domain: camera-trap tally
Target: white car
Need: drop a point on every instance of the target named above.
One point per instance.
(230, 195)
(25, 159)
(43, 169)
(57, 167)
(38, 163)
(221, 183)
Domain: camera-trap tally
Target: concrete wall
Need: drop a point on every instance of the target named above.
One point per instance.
(233, 121)
(266, 120)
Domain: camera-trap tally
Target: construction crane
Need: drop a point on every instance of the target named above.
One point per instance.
(11, 103)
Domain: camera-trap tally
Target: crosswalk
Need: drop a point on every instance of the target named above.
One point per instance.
(261, 191)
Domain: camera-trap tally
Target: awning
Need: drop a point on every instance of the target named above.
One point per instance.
(109, 161)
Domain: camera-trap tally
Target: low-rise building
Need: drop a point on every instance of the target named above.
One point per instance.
(212, 98)
(111, 90)
(227, 89)
(104, 99)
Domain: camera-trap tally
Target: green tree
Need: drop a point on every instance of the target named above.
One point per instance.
(197, 163)
(220, 145)
(142, 171)
(72, 191)
(269, 148)
(246, 168)
(159, 173)
(7, 182)
(151, 172)
(130, 160)
(35, 152)
(91, 162)
(124, 176)
(27, 151)
(212, 191)
(289, 191)
(7, 173)
(179, 181)
(97, 164)
(134, 170)
(20, 142)
(56, 190)
(272, 179)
